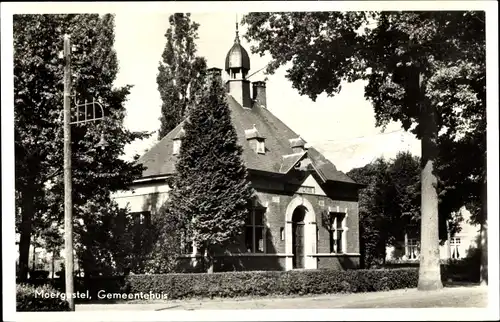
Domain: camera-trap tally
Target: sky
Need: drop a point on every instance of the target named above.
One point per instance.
(341, 127)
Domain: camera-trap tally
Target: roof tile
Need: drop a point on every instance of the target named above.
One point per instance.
(160, 161)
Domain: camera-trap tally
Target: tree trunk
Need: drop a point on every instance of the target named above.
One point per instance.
(429, 272)
(53, 262)
(483, 271)
(28, 210)
(384, 248)
(384, 254)
(34, 258)
(203, 259)
(210, 261)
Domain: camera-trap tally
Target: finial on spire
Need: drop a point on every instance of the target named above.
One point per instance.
(237, 38)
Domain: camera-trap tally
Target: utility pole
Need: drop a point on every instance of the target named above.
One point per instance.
(68, 202)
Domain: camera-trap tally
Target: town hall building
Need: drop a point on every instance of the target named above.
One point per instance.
(305, 213)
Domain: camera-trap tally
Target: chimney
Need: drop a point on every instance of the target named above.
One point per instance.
(212, 72)
(259, 94)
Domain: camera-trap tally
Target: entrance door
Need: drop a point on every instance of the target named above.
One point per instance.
(298, 237)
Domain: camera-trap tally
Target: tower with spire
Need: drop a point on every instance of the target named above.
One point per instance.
(237, 67)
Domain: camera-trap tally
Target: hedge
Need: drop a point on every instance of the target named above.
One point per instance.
(39, 274)
(262, 283)
(94, 284)
(31, 298)
(256, 283)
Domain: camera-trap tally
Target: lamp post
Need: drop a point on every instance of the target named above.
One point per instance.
(68, 202)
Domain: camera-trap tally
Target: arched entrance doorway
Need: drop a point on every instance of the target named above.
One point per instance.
(298, 237)
(300, 234)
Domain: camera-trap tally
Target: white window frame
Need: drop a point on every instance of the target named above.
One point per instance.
(334, 230)
(455, 243)
(176, 147)
(254, 227)
(260, 146)
(412, 245)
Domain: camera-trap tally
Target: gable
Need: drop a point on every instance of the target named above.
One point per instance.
(311, 182)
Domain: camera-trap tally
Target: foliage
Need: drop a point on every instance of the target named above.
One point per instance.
(180, 73)
(166, 236)
(105, 240)
(36, 274)
(262, 283)
(211, 191)
(383, 48)
(92, 285)
(390, 203)
(404, 176)
(374, 210)
(38, 97)
(53, 242)
(28, 299)
(52, 239)
(463, 180)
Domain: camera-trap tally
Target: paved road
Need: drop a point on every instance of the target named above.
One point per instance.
(472, 297)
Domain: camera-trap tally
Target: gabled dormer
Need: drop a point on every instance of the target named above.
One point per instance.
(297, 145)
(177, 140)
(257, 141)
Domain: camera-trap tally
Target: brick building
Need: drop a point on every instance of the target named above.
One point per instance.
(305, 214)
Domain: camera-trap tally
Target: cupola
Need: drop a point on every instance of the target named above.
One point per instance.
(237, 59)
(237, 67)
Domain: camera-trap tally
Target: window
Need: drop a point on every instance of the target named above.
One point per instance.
(186, 244)
(337, 233)
(412, 248)
(260, 147)
(455, 247)
(177, 146)
(142, 218)
(254, 231)
(282, 233)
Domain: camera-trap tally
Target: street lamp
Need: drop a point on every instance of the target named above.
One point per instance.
(68, 202)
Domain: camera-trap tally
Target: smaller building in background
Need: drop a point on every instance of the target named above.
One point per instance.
(456, 246)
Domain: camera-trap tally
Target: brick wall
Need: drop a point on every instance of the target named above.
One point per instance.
(234, 263)
(342, 262)
(276, 212)
(274, 195)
